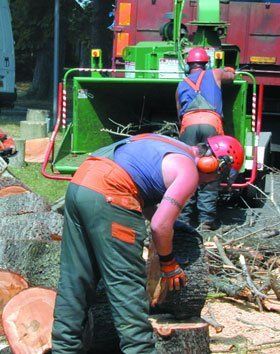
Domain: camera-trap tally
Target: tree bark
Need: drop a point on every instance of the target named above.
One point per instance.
(42, 76)
(189, 301)
(47, 225)
(101, 36)
(36, 260)
(24, 203)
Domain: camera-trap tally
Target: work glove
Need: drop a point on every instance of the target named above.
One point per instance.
(172, 275)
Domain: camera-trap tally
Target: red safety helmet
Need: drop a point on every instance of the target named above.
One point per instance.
(197, 55)
(223, 145)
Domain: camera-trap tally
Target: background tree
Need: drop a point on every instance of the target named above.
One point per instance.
(80, 30)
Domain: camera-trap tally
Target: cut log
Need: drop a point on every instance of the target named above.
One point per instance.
(10, 285)
(11, 181)
(47, 225)
(22, 204)
(12, 190)
(11, 186)
(189, 301)
(173, 337)
(27, 320)
(100, 335)
(36, 260)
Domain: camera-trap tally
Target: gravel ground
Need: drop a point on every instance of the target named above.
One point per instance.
(245, 328)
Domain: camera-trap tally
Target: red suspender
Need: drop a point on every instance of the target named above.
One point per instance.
(162, 139)
(195, 86)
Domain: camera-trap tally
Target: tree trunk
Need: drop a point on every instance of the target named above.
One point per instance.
(101, 36)
(27, 230)
(46, 224)
(42, 82)
(189, 301)
(24, 203)
(36, 260)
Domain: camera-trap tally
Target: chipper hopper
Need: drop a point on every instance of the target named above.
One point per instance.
(99, 106)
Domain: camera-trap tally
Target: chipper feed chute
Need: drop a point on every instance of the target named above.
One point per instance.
(106, 109)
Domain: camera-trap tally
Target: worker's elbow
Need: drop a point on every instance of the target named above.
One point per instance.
(155, 228)
(160, 228)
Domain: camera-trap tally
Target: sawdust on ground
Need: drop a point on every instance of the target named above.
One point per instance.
(246, 329)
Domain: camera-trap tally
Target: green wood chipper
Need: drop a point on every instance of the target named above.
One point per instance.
(99, 106)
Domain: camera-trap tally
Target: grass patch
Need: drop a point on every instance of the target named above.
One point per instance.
(10, 127)
(30, 175)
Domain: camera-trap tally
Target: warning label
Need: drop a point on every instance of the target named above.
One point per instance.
(130, 65)
(170, 69)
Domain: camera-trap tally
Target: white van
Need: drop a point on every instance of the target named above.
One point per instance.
(7, 57)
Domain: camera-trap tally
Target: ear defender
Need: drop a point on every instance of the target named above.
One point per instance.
(208, 164)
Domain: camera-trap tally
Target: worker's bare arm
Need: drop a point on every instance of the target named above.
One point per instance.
(173, 201)
(225, 75)
(181, 179)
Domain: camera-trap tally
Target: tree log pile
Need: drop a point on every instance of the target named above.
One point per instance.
(28, 230)
(243, 263)
(30, 250)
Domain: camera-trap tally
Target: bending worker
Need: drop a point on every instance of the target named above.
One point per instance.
(104, 230)
(199, 106)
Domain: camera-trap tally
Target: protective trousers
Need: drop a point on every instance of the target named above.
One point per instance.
(102, 239)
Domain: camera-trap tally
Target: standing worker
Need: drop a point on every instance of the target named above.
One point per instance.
(199, 106)
(104, 230)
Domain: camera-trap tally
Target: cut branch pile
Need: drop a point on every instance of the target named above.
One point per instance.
(244, 260)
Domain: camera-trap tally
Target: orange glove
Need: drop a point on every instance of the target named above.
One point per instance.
(229, 69)
(172, 275)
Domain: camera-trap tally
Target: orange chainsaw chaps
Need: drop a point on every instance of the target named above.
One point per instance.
(201, 116)
(10, 285)
(27, 320)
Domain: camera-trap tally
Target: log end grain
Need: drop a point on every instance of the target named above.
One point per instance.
(172, 336)
(27, 320)
(10, 285)
(12, 190)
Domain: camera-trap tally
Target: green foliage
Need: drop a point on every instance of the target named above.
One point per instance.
(33, 23)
